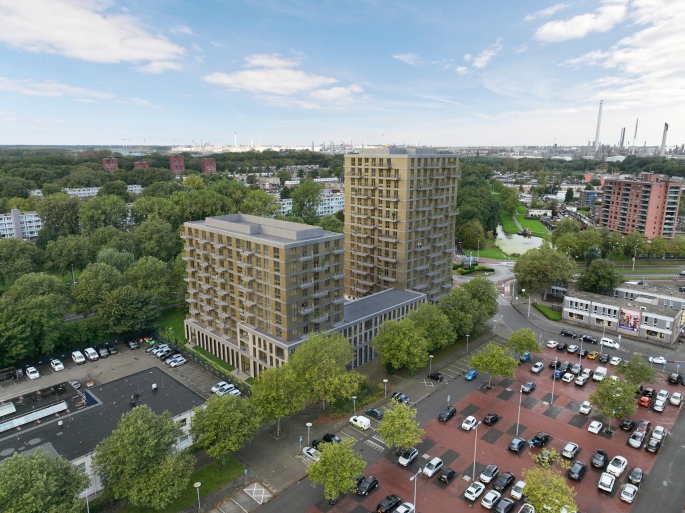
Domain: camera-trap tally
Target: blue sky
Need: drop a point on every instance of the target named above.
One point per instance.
(293, 72)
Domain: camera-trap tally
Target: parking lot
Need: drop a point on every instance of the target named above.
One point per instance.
(556, 414)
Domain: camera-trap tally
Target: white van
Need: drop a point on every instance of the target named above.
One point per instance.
(78, 358)
(600, 374)
(609, 342)
(91, 354)
(360, 422)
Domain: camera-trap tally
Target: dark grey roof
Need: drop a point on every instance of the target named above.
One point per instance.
(662, 289)
(628, 304)
(84, 429)
(377, 303)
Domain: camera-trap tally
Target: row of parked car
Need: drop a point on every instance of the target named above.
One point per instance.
(224, 388)
(164, 352)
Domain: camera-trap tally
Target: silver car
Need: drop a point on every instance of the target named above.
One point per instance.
(408, 456)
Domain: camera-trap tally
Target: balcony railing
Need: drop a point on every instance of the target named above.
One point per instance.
(306, 284)
(319, 293)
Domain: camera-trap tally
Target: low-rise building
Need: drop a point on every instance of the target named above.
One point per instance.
(144, 164)
(20, 225)
(83, 193)
(330, 204)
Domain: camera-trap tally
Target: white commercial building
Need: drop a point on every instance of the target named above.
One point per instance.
(85, 193)
(330, 204)
(20, 225)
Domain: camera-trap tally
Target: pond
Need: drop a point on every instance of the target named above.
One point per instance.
(516, 243)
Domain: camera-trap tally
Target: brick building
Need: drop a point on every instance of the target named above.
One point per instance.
(209, 166)
(110, 164)
(141, 165)
(177, 164)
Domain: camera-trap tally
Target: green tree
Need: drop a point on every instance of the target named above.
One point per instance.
(436, 325)
(284, 176)
(157, 238)
(401, 344)
(149, 274)
(40, 483)
(155, 208)
(595, 182)
(523, 340)
(336, 469)
(102, 211)
(17, 257)
(139, 461)
(636, 371)
(614, 398)
(128, 310)
(659, 247)
(224, 424)
(399, 427)
(600, 276)
(542, 266)
(484, 292)
(278, 393)
(634, 243)
(61, 254)
(116, 188)
(566, 225)
(471, 234)
(260, 203)
(194, 182)
(494, 361)
(111, 237)
(569, 196)
(592, 254)
(49, 189)
(332, 224)
(320, 364)
(96, 282)
(306, 199)
(547, 490)
(193, 204)
(122, 260)
(459, 307)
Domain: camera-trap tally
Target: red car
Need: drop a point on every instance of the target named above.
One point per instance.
(645, 401)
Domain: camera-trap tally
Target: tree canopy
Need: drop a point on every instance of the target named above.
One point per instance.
(636, 371)
(600, 276)
(523, 340)
(614, 398)
(542, 266)
(401, 344)
(547, 488)
(278, 393)
(494, 361)
(399, 427)
(436, 325)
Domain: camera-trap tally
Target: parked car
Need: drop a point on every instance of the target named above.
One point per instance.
(653, 445)
(471, 375)
(389, 504)
(78, 358)
(636, 476)
(583, 353)
(474, 491)
(368, 484)
(537, 368)
(525, 356)
(617, 466)
(562, 347)
(447, 414)
(56, 365)
(528, 387)
(540, 439)
(399, 397)
(606, 482)
(405, 507)
(552, 344)
(375, 413)
(627, 424)
(572, 349)
(568, 333)
(32, 373)
(636, 439)
(660, 360)
(517, 445)
(436, 376)
(491, 419)
(589, 339)
(132, 345)
(659, 405)
(609, 342)
(310, 453)
(91, 354)
(469, 423)
(568, 378)
(660, 432)
(577, 471)
(570, 450)
(491, 498)
(491, 472)
(517, 490)
(216, 387)
(103, 352)
(111, 348)
(629, 493)
(615, 360)
(649, 392)
(676, 398)
(361, 422)
(603, 358)
(581, 381)
(600, 459)
(433, 466)
(674, 378)
(504, 481)
(408, 456)
(595, 427)
(75, 384)
(644, 425)
(447, 475)
(587, 372)
(178, 362)
(592, 355)
(576, 369)
(644, 401)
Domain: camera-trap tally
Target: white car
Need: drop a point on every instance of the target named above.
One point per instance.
(572, 349)
(606, 482)
(676, 398)
(585, 408)
(32, 373)
(517, 490)
(178, 362)
(75, 384)
(615, 360)
(552, 344)
(570, 450)
(490, 499)
(78, 357)
(659, 405)
(617, 466)
(469, 423)
(587, 372)
(490, 473)
(310, 454)
(568, 377)
(218, 386)
(235, 392)
(657, 359)
(225, 389)
(406, 507)
(433, 466)
(662, 395)
(537, 368)
(629, 493)
(474, 491)
(91, 354)
(610, 343)
(408, 456)
(56, 365)
(595, 427)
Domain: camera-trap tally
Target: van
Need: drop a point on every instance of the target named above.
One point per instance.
(609, 342)
(91, 354)
(600, 374)
(361, 422)
(78, 358)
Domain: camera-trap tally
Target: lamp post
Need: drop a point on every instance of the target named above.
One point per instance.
(518, 418)
(635, 256)
(430, 363)
(413, 478)
(475, 442)
(554, 377)
(309, 425)
(385, 388)
(354, 402)
(467, 342)
(197, 487)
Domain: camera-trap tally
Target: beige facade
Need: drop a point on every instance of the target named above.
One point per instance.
(257, 287)
(399, 221)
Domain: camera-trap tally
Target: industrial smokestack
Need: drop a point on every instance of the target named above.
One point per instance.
(623, 137)
(662, 150)
(599, 125)
(235, 140)
(635, 136)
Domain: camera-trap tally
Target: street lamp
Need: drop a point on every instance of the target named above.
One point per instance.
(309, 425)
(197, 487)
(475, 441)
(413, 478)
(467, 342)
(554, 377)
(430, 363)
(635, 256)
(518, 419)
(385, 388)
(354, 402)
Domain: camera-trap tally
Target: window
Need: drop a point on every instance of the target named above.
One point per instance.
(654, 334)
(183, 422)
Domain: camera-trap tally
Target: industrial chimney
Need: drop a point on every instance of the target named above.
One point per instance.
(662, 150)
(599, 125)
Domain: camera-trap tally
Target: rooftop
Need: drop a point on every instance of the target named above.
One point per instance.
(84, 429)
(391, 150)
(375, 304)
(626, 304)
(655, 288)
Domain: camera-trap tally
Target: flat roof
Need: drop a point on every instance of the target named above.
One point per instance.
(84, 429)
(371, 306)
(663, 289)
(628, 304)
(402, 151)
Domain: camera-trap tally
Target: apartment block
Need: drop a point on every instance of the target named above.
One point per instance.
(208, 166)
(110, 164)
(143, 164)
(258, 287)
(648, 204)
(177, 164)
(399, 221)
(20, 225)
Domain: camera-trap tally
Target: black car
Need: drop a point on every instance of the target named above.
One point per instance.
(447, 414)
(562, 347)
(568, 333)
(446, 475)
(505, 505)
(436, 376)
(540, 439)
(588, 338)
(375, 413)
(653, 445)
(490, 419)
(528, 387)
(517, 445)
(577, 471)
(603, 358)
(649, 392)
(329, 437)
(584, 353)
(368, 484)
(565, 367)
(600, 459)
(636, 476)
(504, 481)
(389, 504)
(675, 379)
(627, 424)
(554, 364)
(111, 348)
(316, 443)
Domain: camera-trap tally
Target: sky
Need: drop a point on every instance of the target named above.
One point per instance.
(289, 72)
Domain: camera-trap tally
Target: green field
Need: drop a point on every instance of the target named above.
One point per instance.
(534, 226)
(508, 224)
(495, 253)
(522, 209)
(548, 312)
(173, 318)
(583, 212)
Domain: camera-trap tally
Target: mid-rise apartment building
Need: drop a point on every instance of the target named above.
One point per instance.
(177, 164)
(648, 204)
(399, 221)
(258, 287)
(110, 164)
(330, 204)
(20, 225)
(208, 166)
(143, 164)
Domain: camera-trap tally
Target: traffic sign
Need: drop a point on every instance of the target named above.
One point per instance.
(245, 471)
(300, 438)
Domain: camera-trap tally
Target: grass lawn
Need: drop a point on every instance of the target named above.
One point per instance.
(583, 212)
(212, 477)
(173, 318)
(548, 312)
(508, 224)
(522, 209)
(495, 253)
(215, 359)
(535, 226)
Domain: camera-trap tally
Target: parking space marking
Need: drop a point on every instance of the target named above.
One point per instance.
(258, 493)
(234, 501)
(377, 437)
(428, 383)
(374, 445)
(354, 440)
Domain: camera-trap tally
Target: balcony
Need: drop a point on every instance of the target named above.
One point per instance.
(244, 288)
(423, 209)
(306, 310)
(420, 287)
(247, 314)
(366, 282)
(360, 272)
(192, 290)
(338, 251)
(421, 267)
(246, 278)
(338, 299)
(390, 279)
(422, 248)
(388, 259)
(189, 279)
(434, 255)
(387, 238)
(304, 257)
(423, 228)
(365, 264)
(191, 300)
(365, 245)
(188, 259)
(339, 276)
(304, 285)
(321, 318)
(247, 302)
(245, 252)
(245, 265)
(319, 293)
(360, 253)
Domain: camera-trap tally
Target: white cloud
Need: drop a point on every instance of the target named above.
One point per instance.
(182, 29)
(336, 93)
(140, 101)
(196, 47)
(85, 30)
(468, 57)
(462, 70)
(546, 13)
(484, 57)
(214, 43)
(603, 19)
(408, 58)
(269, 61)
(51, 89)
(159, 67)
